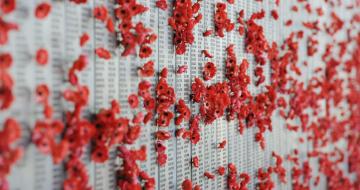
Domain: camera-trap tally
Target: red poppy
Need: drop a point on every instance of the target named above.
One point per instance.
(161, 159)
(84, 39)
(79, 1)
(138, 118)
(101, 13)
(231, 1)
(163, 135)
(6, 60)
(195, 161)
(145, 51)
(7, 6)
(100, 154)
(207, 33)
(149, 104)
(147, 70)
(274, 14)
(42, 10)
(5, 28)
(186, 184)
(161, 4)
(148, 117)
(209, 71)
(110, 25)
(182, 69)
(59, 151)
(42, 93)
(103, 53)
(164, 73)
(132, 134)
(42, 56)
(221, 170)
(209, 175)
(164, 118)
(133, 101)
(160, 147)
(206, 54)
(222, 144)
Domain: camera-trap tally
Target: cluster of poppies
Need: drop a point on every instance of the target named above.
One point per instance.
(221, 20)
(101, 14)
(133, 34)
(6, 7)
(6, 81)
(79, 132)
(213, 99)
(192, 134)
(10, 153)
(279, 168)
(232, 179)
(47, 130)
(11, 130)
(130, 176)
(165, 99)
(184, 18)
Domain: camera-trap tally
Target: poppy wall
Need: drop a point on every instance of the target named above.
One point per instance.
(179, 94)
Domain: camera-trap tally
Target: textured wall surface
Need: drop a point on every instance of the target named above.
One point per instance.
(117, 78)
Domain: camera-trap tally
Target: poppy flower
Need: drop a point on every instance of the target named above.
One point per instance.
(84, 39)
(147, 117)
(133, 101)
(138, 118)
(103, 53)
(79, 1)
(221, 170)
(274, 14)
(160, 147)
(222, 144)
(231, 1)
(206, 54)
(101, 13)
(164, 118)
(12, 129)
(7, 6)
(163, 135)
(42, 56)
(100, 154)
(195, 136)
(186, 184)
(207, 33)
(5, 28)
(162, 159)
(147, 70)
(132, 134)
(42, 93)
(149, 104)
(42, 10)
(209, 71)
(161, 4)
(164, 73)
(209, 175)
(195, 161)
(59, 151)
(145, 51)
(182, 69)
(6, 60)
(110, 25)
